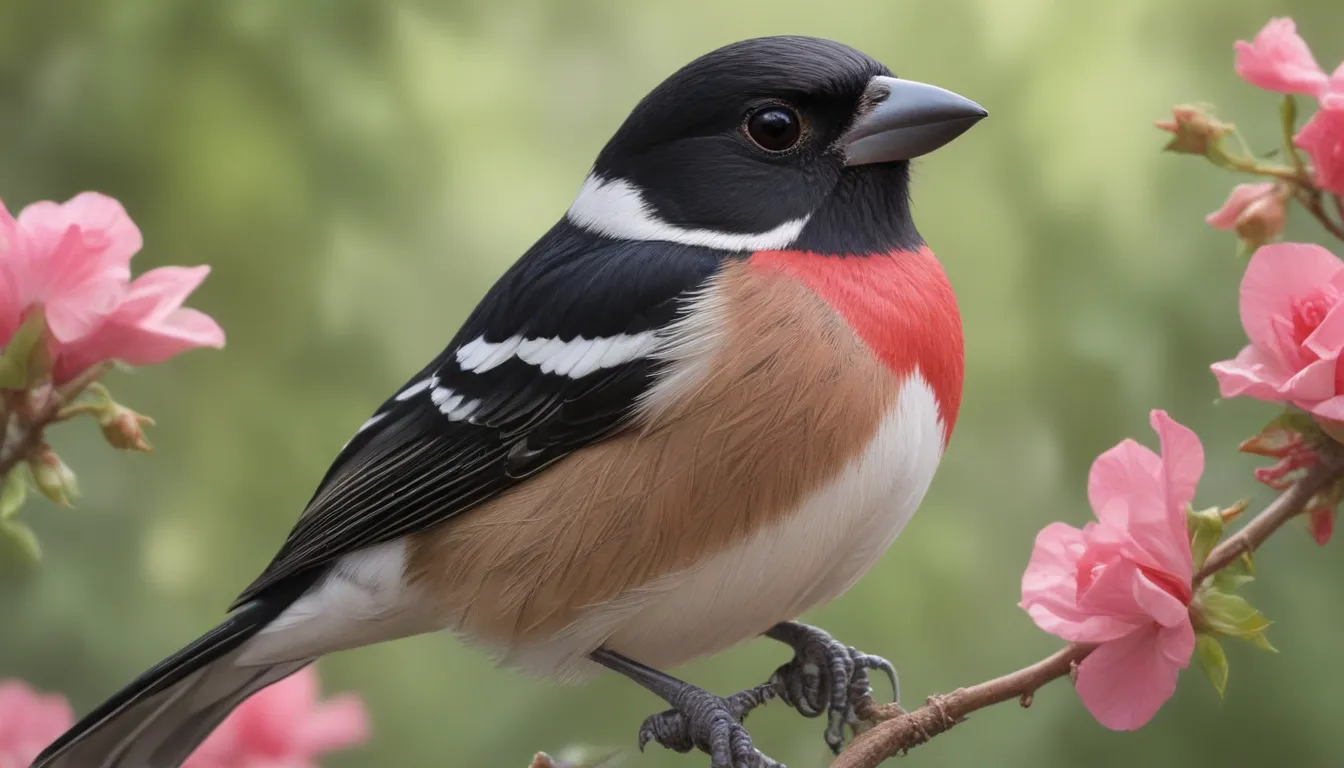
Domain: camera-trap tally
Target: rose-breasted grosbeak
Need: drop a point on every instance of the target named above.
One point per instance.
(707, 400)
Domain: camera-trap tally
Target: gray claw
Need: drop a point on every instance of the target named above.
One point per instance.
(826, 675)
(711, 724)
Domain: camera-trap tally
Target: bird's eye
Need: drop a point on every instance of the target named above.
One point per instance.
(774, 129)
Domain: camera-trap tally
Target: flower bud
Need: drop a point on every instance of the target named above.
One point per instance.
(53, 478)
(122, 428)
(1197, 133)
(1262, 221)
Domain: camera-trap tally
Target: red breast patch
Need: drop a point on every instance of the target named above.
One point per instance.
(900, 304)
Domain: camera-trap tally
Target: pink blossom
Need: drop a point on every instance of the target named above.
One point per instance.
(1124, 582)
(1241, 197)
(1322, 138)
(284, 726)
(1292, 308)
(29, 722)
(1279, 60)
(72, 260)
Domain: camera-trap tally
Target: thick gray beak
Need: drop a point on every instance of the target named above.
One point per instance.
(906, 119)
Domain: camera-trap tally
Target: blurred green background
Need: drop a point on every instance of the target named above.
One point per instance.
(357, 173)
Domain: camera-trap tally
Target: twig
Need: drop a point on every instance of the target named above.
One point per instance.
(1310, 198)
(27, 430)
(898, 731)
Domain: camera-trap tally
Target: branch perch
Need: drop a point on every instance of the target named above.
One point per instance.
(897, 731)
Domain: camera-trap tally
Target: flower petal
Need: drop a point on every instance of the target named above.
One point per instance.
(102, 221)
(1328, 338)
(1252, 373)
(1279, 60)
(1125, 681)
(1125, 476)
(337, 723)
(1332, 409)
(1164, 608)
(1050, 588)
(1277, 277)
(1182, 467)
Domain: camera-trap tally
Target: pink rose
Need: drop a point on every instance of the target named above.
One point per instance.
(1124, 582)
(284, 726)
(73, 260)
(28, 722)
(1279, 60)
(1322, 138)
(1292, 308)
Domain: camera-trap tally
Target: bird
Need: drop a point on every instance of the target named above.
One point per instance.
(705, 401)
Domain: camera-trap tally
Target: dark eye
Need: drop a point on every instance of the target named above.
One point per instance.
(774, 129)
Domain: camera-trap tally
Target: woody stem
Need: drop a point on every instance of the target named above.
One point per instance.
(23, 432)
(897, 731)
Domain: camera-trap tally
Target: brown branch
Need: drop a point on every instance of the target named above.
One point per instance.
(1312, 199)
(23, 432)
(897, 731)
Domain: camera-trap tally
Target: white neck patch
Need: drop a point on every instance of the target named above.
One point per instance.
(616, 208)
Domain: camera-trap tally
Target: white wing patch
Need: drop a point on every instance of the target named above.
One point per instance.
(456, 407)
(575, 358)
(417, 388)
(616, 208)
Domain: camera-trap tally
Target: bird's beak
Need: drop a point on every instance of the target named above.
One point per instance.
(901, 119)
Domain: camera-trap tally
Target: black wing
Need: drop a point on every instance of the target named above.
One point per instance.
(499, 404)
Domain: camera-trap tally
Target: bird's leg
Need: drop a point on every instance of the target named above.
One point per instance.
(826, 675)
(698, 719)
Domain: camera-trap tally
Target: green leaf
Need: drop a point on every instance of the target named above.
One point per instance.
(1206, 529)
(1228, 614)
(23, 538)
(12, 493)
(24, 359)
(1213, 661)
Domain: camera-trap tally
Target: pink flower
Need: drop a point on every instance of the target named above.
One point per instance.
(284, 726)
(1124, 582)
(1238, 201)
(73, 260)
(1322, 138)
(1256, 212)
(28, 722)
(1292, 308)
(1279, 60)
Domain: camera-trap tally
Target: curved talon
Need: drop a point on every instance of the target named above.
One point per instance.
(711, 724)
(826, 675)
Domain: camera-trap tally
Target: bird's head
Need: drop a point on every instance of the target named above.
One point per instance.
(772, 143)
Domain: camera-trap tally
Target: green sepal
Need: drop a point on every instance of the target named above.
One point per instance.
(21, 538)
(1206, 530)
(1227, 614)
(26, 358)
(12, 493)
(1213, 660)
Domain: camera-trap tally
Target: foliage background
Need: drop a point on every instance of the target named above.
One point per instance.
(357, 173)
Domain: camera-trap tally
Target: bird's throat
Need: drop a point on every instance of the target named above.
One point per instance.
(899, 303)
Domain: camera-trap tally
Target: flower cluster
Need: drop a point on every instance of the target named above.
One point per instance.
(283, 726)
(1130, 583)
(1279, 60)
(68, 309)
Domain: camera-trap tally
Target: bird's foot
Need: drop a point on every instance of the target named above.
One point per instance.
(701, 720)
(826, 675)
(698, 719)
